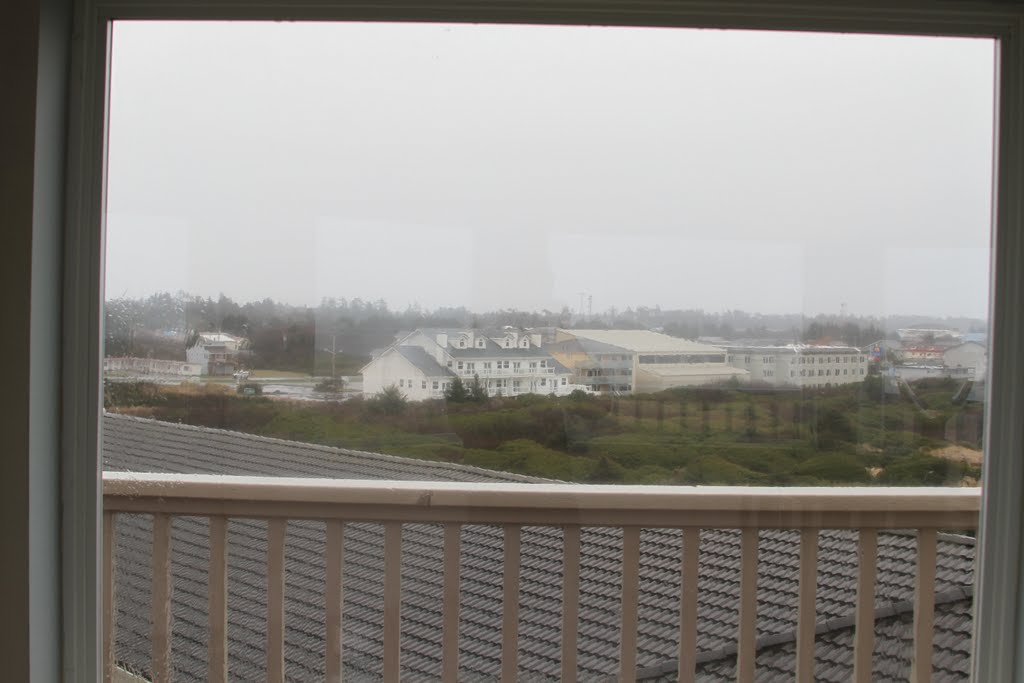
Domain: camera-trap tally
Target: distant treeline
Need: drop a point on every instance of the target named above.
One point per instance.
(301, 338)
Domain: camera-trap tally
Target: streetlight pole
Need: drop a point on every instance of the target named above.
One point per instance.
(334, 355)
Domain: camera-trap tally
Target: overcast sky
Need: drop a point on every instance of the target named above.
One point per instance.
(513, 166)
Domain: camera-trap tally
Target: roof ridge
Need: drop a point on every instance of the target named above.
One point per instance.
(885, 611)
(498, 475)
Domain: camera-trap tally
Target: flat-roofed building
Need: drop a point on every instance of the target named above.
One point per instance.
(801, 365)
(639, 361)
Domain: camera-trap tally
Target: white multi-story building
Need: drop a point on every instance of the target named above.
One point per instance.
(640, 361)
(801, 365)
(970, 355)
(506, 362)
(215, 352)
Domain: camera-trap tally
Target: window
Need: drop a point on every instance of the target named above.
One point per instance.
(640, 379)
(423, 384)
(434, 385)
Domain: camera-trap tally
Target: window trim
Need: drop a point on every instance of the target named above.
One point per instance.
(998, 646)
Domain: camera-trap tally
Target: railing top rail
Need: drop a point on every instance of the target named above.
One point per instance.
(551, 504)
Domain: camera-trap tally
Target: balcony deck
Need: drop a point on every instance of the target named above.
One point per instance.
(488, 580)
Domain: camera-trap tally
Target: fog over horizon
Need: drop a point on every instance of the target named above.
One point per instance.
(497, 167)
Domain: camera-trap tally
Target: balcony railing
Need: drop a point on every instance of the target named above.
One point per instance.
(513, 506)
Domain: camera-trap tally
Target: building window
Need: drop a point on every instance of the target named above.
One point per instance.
(434, 386)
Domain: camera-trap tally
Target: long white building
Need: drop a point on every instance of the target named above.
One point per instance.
(640, 361)
(801, 365)
(507, 362)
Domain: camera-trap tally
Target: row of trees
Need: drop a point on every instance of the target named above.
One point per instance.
(302, 338)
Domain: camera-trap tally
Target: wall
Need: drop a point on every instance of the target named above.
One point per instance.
(34, 38)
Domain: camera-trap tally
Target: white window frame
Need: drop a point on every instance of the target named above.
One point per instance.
(999, 622)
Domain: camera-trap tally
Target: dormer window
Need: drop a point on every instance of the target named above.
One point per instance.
(508, 343)
(462, 343)
(480, 343)
(525, 343)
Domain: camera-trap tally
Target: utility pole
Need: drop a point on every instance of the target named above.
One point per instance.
(582, 297)
(334, 355)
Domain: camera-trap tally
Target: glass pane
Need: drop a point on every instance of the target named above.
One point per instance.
(524, 254)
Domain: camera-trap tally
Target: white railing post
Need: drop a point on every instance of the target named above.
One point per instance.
(924, 606)
(746, 648)
(335, 597)
(688, 606)
(510, 606)
(450, 609)
(160, 608)
(570, 601)
(392, 602)
(630, 600)
(806, 608)
(864, 621)
(217, 601)
(276, 529)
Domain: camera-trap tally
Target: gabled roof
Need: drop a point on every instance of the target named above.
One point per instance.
(423, 361)
(144, 445)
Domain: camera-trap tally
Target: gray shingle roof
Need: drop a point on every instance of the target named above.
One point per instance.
(423, 361)
(142, 445)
